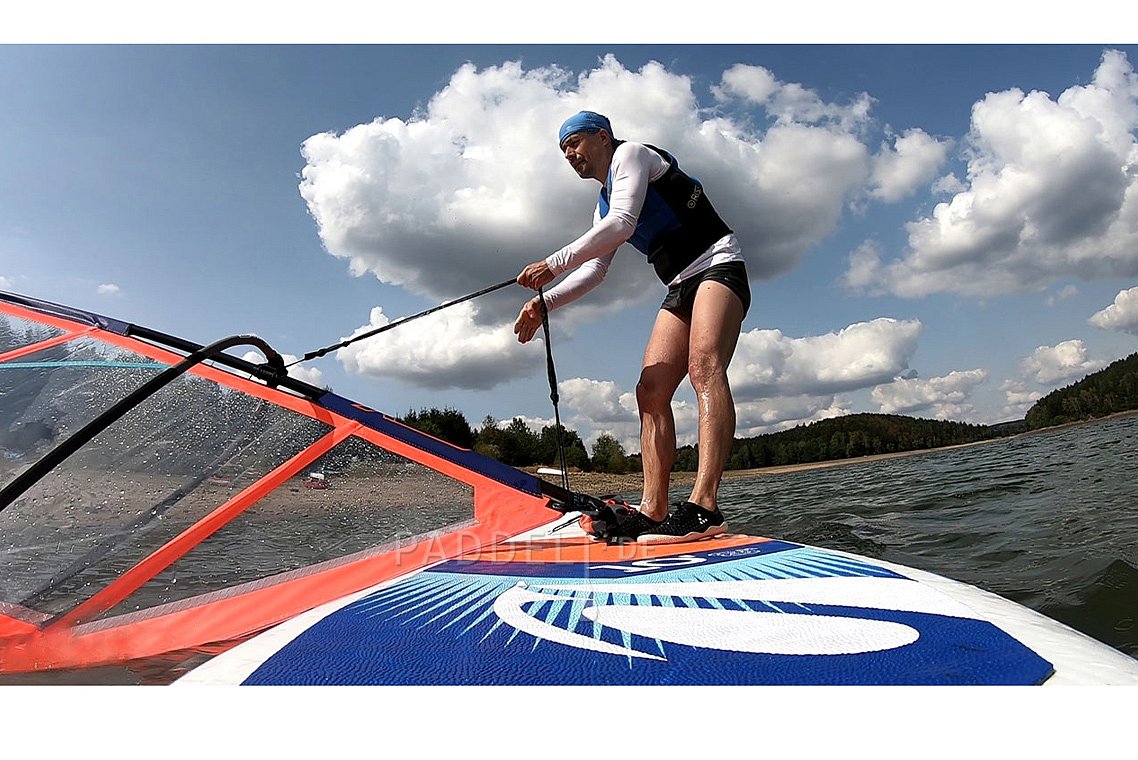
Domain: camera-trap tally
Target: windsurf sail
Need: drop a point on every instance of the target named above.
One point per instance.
(137, 469)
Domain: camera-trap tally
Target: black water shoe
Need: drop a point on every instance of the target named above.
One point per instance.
(631, 526)
(688, 522)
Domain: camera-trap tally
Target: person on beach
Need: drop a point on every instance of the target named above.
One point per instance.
(647, 200)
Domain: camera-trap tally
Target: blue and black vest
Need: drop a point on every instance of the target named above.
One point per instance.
(677, 223)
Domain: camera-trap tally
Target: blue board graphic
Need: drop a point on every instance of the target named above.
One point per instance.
(767, 613)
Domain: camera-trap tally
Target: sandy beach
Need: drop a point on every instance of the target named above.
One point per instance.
(600, 483)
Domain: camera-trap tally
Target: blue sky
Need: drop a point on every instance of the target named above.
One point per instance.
(944, 231)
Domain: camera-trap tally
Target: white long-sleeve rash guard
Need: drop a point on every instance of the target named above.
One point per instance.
(633, 167)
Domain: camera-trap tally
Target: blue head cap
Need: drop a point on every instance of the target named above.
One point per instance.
(585, 121)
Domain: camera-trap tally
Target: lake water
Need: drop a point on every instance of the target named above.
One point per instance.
(1049, 520)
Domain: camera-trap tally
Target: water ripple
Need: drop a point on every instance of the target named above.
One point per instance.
(1049, 520)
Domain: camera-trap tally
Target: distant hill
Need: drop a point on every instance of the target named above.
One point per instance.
(1108, 391)
(853, 435)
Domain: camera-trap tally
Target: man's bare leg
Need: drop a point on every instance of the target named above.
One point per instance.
(717, 317)
(664, 367)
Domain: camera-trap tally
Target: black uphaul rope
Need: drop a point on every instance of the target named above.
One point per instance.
(391, 326)
(569, 501)
(553, 389)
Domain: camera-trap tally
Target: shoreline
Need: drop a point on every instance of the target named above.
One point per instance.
(603, 483)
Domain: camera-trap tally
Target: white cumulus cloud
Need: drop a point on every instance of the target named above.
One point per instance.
(911, 162)
(1062, 362)
(602, 407)
(599, 400)
(1122, 315)
(777, 382)
(943, 398)
(782, 413)
(790, 102)
(1020, 398)
(447, 349)
(1051, 193)
(768, 363)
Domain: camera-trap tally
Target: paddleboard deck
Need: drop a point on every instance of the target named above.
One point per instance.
(557, 608)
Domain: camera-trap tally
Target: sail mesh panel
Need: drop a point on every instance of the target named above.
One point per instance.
(140, 482)
(355, 498)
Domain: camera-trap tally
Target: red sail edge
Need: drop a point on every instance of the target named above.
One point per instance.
(100, 629)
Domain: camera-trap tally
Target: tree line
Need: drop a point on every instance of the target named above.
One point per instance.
(1109, 391)
(516, 444)
(846, 437)
(839, 438)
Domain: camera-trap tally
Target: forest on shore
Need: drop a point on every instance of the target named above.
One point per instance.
(1112, 390)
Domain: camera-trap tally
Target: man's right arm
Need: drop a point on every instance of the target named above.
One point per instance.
(579, 282)
(631, 169)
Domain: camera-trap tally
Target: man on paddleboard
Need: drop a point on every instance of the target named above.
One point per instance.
(645, 199)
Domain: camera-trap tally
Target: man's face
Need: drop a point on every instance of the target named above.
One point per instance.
(589, 153)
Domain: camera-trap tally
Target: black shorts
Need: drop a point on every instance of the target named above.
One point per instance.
(733, 274)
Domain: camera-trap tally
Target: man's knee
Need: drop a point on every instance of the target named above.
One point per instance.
(655, 389)
(706, 371)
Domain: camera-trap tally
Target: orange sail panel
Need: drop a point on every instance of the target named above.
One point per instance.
(186, 522)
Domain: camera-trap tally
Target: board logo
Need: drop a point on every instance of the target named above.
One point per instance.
(730, 621)
(696, 192)
(653, 564)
